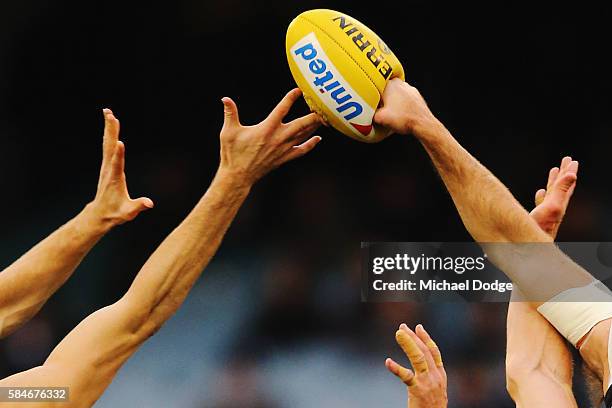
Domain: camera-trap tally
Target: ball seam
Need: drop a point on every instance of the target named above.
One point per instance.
(345, 51)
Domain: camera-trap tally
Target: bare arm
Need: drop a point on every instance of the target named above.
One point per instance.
(27, 284)
(488, 210)
(89, 357)
(538, 361)
(247, 153)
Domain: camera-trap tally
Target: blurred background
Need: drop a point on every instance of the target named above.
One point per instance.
(276, 320)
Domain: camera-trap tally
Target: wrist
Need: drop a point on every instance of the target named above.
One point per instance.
(234, 180)
(93, 217)
(429, 130)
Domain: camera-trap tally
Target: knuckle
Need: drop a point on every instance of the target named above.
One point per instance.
(303, 128)
(418, 359)
(556, 210)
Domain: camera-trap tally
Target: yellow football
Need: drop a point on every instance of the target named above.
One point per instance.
(342, 68)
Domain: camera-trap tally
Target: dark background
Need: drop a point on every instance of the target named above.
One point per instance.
(277, 321)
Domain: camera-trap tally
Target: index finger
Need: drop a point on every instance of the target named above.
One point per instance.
(539, 196)
(283, 107)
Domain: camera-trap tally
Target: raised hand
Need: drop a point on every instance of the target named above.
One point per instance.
(112, 202)
(427, 380)
(250, 152)
(551, 202)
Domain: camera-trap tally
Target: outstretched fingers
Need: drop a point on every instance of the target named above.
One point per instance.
(567, 182)
(300, 132)
(302, 149)
(284, 106)
(564, 184)
(416, 353)
(560, 185)
(302, 125)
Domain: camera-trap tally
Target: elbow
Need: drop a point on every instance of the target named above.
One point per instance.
(146, 327)
(147, 330)
(512, 386)
(141, 323)
(12, 321)
(519, 371)
(148, 315)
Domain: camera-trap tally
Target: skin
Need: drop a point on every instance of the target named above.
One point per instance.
(89, 357)
(538, 362)
(427, 383)
(27, 284)
(492, 215)
(538, 365)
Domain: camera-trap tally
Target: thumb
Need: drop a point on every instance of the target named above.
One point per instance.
(132, 208)
(142, 204)
(381, 117)
(539, 196)
(230, 113)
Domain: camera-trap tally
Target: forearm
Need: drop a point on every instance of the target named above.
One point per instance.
(538, 390)
(533, 383)
(492, 215)
(164, 281)
(32, 279)
(91, 354)
(538, 362)
(89, 357)
(488, 210)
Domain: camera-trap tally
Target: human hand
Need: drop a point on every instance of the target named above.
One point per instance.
(404, 110)
(112, 204)
(427, 381)
(249, 152)
(551, 203)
